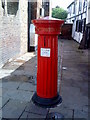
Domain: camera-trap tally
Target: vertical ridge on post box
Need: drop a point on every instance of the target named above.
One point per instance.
(48, 67)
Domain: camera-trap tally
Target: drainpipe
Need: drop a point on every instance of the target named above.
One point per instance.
(29, 22)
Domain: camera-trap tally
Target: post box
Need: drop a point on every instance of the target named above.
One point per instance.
(46, 94)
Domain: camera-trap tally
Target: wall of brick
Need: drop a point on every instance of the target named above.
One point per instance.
(13, 32)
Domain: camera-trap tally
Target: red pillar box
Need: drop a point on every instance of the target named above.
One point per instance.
(47, 65)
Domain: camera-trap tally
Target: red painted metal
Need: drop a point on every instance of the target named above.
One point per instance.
(47, 30)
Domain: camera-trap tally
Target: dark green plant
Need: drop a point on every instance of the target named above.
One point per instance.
(59, 13)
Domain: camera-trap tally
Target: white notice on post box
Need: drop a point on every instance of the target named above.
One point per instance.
(45, 52)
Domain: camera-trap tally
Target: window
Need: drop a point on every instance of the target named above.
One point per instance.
(84, 5)
(12, 8)
(74, 9)
(89, 4)
(46, 8)
(3, 6)
(80, 5)
(33, 10)
(84, 25)
(9, 7)
(79, 25)
(40, 11)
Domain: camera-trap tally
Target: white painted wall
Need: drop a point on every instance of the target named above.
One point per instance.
(78, 35)
(88, 15)
(88, 12)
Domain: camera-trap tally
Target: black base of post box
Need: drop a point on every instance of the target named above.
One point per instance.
(46, 102)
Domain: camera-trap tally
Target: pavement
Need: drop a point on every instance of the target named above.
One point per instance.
(18, 84)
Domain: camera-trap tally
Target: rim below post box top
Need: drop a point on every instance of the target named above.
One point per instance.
(47, 25)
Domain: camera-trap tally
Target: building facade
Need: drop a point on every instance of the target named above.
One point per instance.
(78, 14)
(15, 20)
(43, 9)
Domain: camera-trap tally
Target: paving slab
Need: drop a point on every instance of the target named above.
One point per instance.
(32, 108)
(19, 95)
(4, 92)
(16, 78)
(36, 116)
(73, 99)
(0, 83)
(76, 77)
(0, 114)
(13, 109)
(0, 102)
(61, 109)
(82, 86)
(11, 85)
(81, 114)
(89, 115)
(24, 72)
(24, 115)
(27, 115)
(0, 91)
(3, 101)
(79, 57)
(86, 108)
(27, 87)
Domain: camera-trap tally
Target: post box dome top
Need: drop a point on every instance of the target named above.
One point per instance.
(48, 19)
